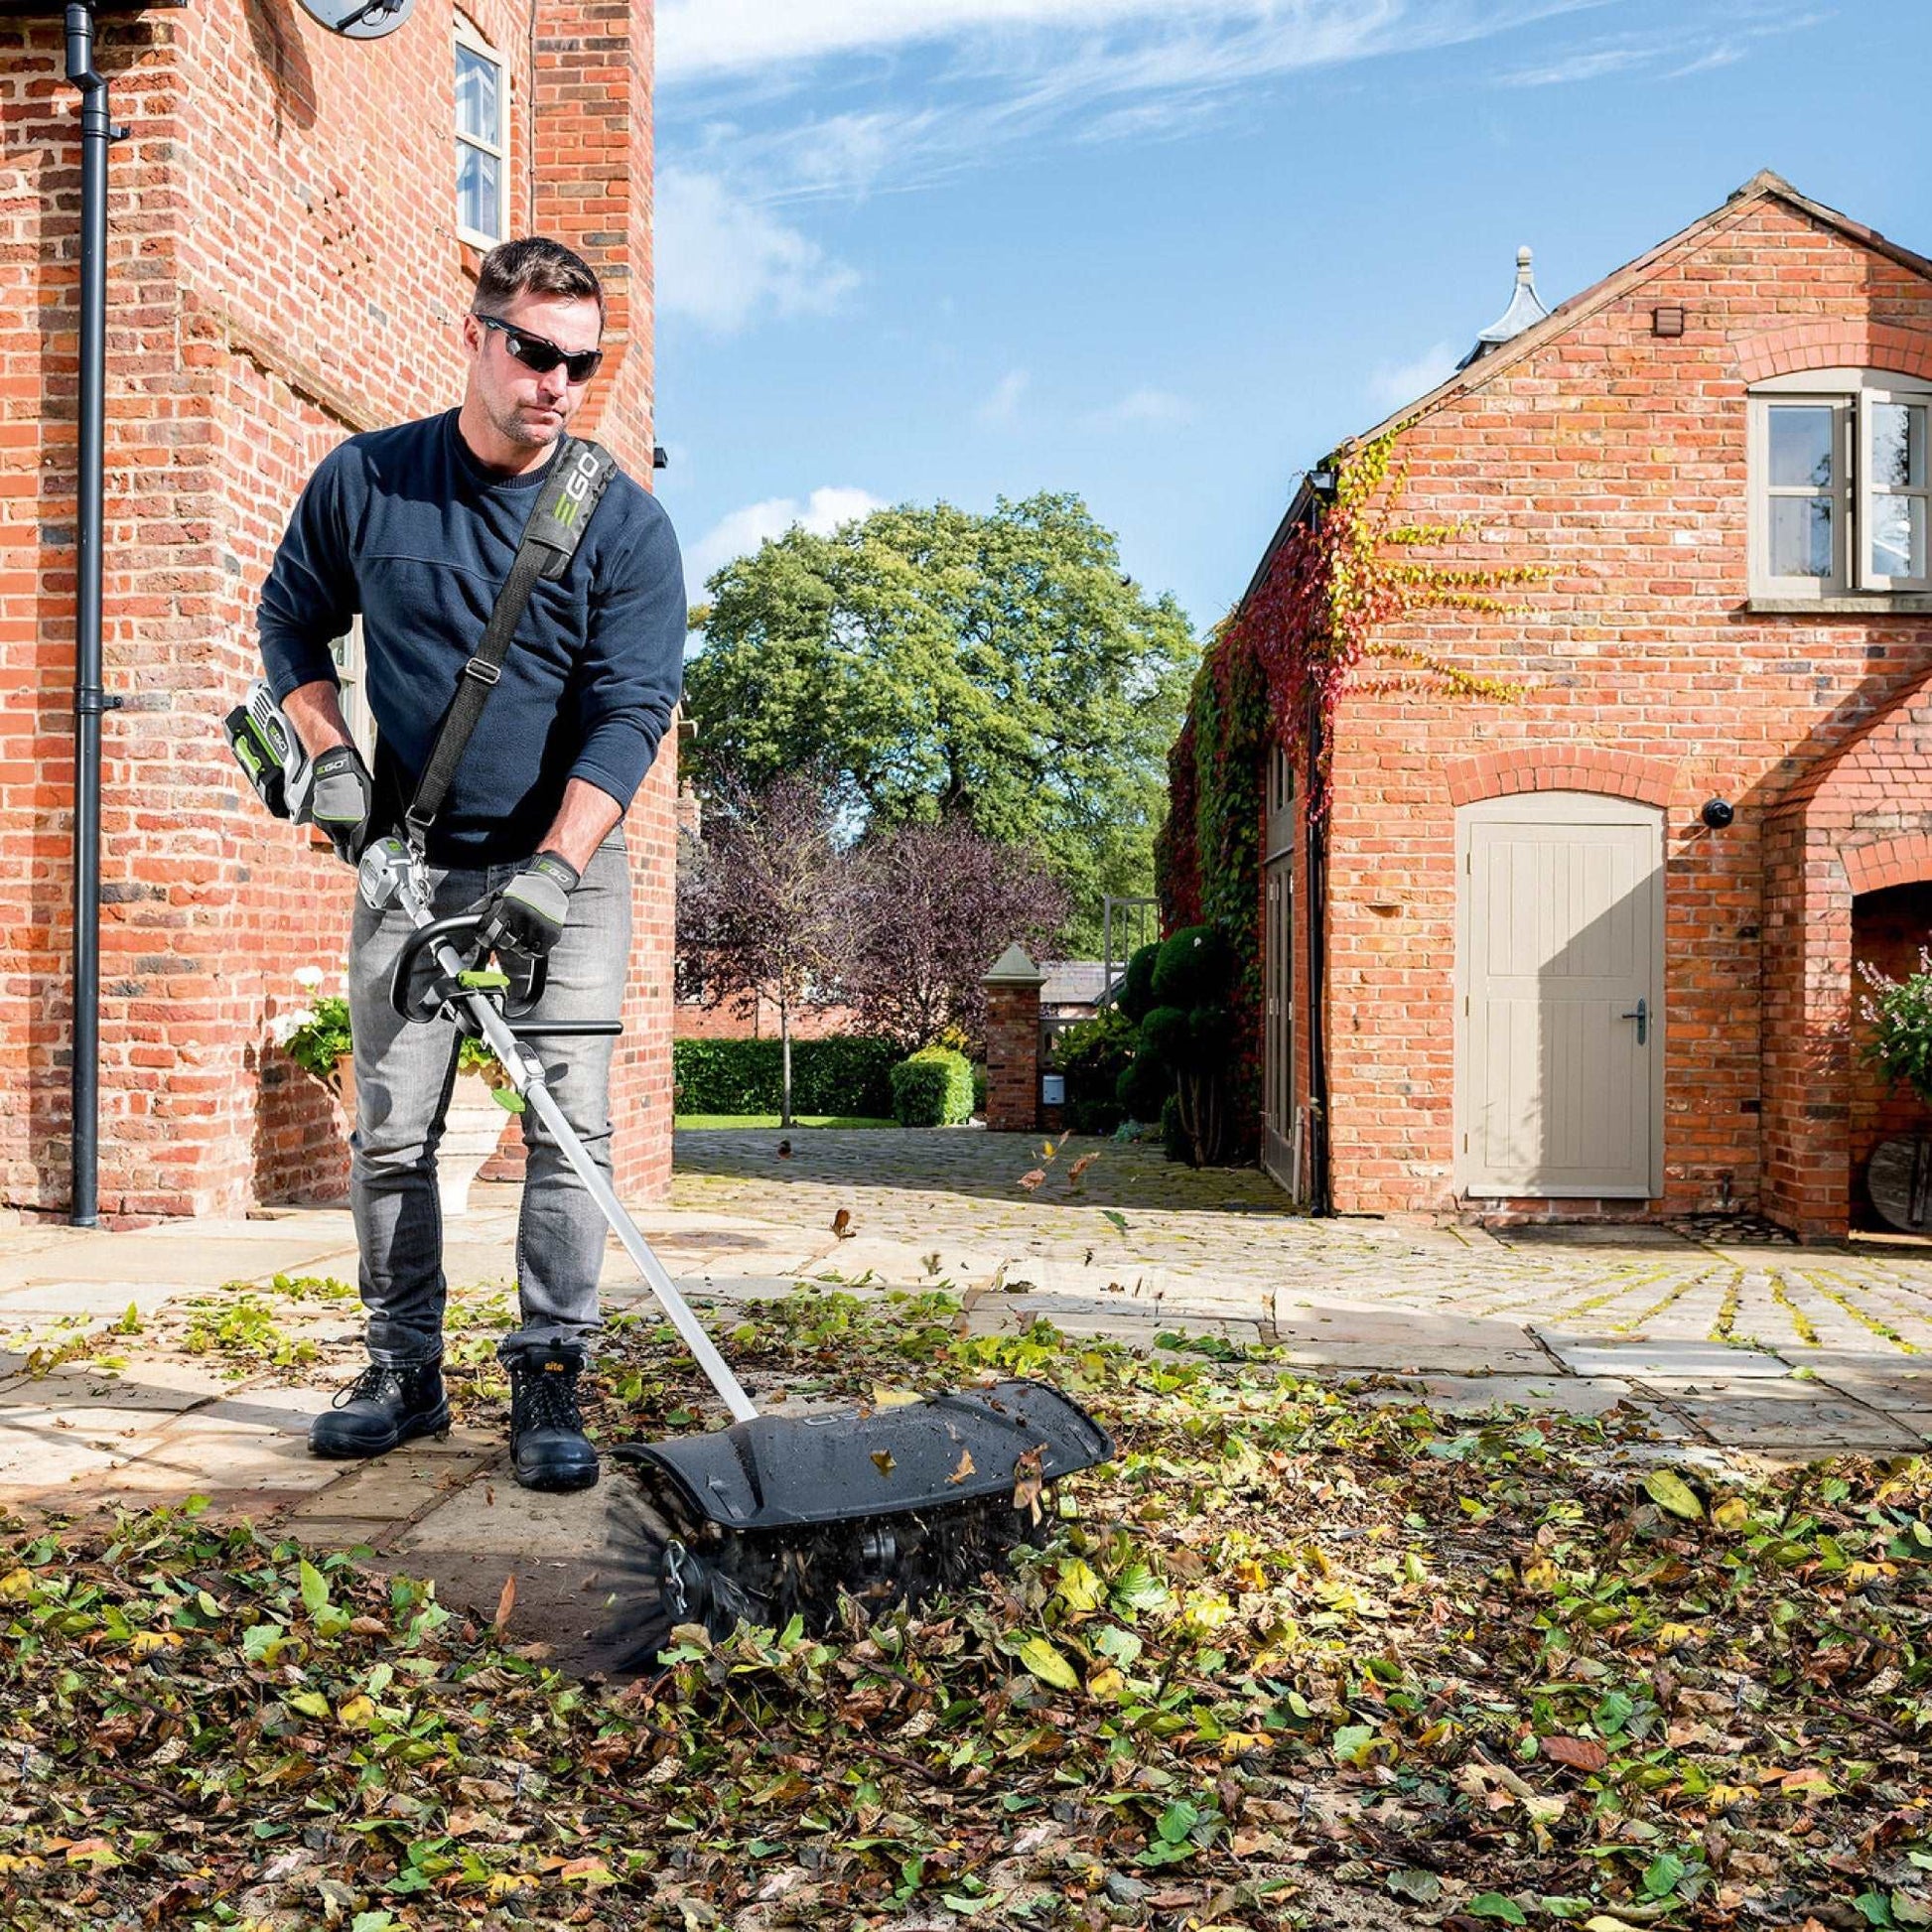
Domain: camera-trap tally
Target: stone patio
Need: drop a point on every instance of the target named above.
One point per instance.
(120, 1385)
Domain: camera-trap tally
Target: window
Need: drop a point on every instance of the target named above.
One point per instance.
(1839, 485)
(481, 113)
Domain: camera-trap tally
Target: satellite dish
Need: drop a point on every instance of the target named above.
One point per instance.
(359, 20)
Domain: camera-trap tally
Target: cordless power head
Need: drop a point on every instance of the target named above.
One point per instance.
(271, 754)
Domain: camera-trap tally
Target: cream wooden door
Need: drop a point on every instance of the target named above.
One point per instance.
(1560, 1048)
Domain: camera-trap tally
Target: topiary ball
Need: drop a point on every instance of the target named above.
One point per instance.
(1165, 1038)
(1193, 969)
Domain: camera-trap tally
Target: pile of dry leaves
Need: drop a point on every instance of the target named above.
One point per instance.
(1303, 1656)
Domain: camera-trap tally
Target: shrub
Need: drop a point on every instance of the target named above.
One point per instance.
(1175, 1141)
(742, 1076)
(933, 1088)
(1143, 1087)
(1165, 1038)
(1899, 1014)
(1192, 968)
(1136, 995)
(1094, 1053)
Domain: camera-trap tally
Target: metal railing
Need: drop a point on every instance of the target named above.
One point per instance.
(1126, 926)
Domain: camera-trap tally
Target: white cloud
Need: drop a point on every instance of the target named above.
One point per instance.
(997, 72)
(1141, 408)
(1000, 409)
(1393, 383)
(742, 532)
(722, 259)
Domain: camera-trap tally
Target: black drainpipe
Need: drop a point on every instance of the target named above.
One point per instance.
(88, 703)
(1317, 870)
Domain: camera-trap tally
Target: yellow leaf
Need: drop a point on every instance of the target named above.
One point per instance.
(1732, 1514)
(16, 1584)
(1081, 1588)
(1250, 1575)
(883, 1460)
(311, 1704)
(1542, 1577)
(1107, 1684)
(1668, 1490)
(146, 1643)
(357, 1712)
(882, 1398)
(1049, 1665)
(502, 1883)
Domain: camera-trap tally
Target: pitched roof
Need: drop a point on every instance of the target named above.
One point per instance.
(1762, 186)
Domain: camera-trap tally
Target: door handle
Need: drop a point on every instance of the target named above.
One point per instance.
(1641, 1014)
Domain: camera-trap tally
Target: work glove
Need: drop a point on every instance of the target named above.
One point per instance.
(341, 800)
(527, 916)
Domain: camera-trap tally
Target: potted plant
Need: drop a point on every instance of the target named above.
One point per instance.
(1897, 1014)
(317, 1037)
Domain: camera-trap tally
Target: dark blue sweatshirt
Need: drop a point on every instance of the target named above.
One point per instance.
(405, 526)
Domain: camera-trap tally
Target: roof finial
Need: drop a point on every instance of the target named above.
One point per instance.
(1525, 311)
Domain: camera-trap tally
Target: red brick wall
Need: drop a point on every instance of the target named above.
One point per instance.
(1614, 461)
(1012, 1059)
(283, 270)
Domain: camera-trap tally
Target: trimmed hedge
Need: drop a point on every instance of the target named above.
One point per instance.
(745, 1076)
(933, 1088)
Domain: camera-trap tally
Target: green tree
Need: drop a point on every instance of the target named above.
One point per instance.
(997, 669)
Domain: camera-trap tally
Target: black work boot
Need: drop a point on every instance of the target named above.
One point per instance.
(548, 1446)
(385, 1405)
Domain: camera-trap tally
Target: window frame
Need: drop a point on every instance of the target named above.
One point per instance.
(468, 37)
(1899, 390)
(1850, 395)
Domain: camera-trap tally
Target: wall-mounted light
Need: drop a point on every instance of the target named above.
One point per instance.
(1718, 813)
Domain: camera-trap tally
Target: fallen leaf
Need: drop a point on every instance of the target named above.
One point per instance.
(1028, 1478)
(964, 1469)
(1031, 1179)
(505, 1603)
(1049, 1665)
(842, 1224)
(1579, 1753)
(1668, 1490)
(882, 1462)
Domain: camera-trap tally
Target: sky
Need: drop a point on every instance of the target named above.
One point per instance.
(1165, 253)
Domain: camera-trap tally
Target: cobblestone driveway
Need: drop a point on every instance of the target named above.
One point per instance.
(1835, 1345)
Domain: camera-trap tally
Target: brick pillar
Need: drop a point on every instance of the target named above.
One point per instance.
(1012, 1043)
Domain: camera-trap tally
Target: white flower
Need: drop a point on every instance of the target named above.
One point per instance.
(308, 977)
(284, 1026)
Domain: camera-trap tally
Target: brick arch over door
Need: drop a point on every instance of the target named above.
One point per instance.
(1561, 767)
(1904, 861)
(1828, 345)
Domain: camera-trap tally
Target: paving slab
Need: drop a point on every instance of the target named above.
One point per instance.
(1571, 1395)
(1795, 1415)
(1665, 1359)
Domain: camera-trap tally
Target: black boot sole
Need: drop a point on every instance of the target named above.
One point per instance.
(557, 1486)
(436, 1424)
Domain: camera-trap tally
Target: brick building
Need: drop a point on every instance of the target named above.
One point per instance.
(1715, 461)
(290, 250)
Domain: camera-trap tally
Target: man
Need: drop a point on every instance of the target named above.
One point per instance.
(414, 529)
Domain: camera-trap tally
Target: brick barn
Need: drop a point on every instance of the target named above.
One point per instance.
(1588, 950)
(295, 224)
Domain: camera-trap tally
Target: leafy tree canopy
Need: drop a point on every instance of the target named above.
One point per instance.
(998, 669)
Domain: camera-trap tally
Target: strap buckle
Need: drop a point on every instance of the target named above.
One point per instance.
(482, 670)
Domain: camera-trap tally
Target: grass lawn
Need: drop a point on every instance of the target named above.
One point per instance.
(771, 1120)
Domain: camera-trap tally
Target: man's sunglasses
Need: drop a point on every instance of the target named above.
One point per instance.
(541, 354)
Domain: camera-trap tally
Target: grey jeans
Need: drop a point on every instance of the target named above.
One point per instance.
(404, 1074)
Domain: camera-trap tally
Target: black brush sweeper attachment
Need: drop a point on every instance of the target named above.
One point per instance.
(779, 1516)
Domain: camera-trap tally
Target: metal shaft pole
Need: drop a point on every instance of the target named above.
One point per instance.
(95, 134)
